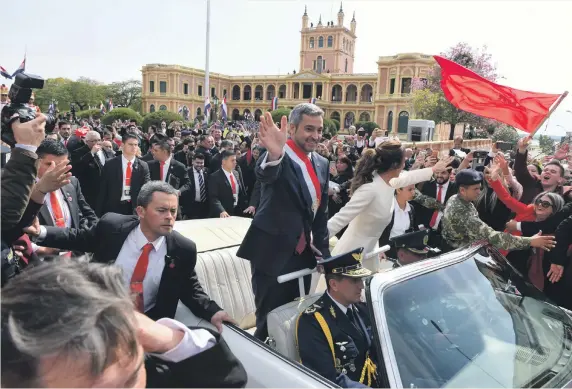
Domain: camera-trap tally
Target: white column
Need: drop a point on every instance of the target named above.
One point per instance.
(207, 90)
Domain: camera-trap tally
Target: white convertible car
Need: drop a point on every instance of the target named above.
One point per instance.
(463, 319)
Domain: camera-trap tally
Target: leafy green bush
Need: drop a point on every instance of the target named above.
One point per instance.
(94, 113)
(337, 124)
(278, 113)
(330, 127)
(155, 118)
(121, 114)
(368, 126)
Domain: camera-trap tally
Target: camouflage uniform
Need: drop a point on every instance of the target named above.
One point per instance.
(462, 226)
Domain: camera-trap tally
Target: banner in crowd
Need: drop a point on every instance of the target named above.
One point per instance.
(224, 109)
(274, 104)
(470, 92)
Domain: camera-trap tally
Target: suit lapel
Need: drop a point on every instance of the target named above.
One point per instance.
(46, 215)
(344, 323)
(68, 192)
(300, 186)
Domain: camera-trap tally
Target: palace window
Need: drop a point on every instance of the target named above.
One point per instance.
(200, 90)
(321, 41)
(312, 43)
(223, 93)
(151, 86)
(330, 41)
(163, 86)
(319, 64)
(346, 65)
(392, 86)
(212, 92)
(185, 89)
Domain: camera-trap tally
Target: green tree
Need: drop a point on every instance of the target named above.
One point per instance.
(368, 126)
(86, 92)
(155, 118)
(330, 127)
(278, 113)
(546, 144)
(429, 102)
(126, 93)
(86, 114)
(506, 134)
(121, 114)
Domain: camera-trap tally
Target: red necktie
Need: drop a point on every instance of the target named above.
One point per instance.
(161, 166)
(128, 174)
(57, 210)
(138, 276)
(434, 217)
(232, 183)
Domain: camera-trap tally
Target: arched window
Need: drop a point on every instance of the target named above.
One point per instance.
(199, 111)
(312, 42)
(163, 108)
(152, 108)
(346, 65)
(330, 41)
(321, 41)
(319, 64)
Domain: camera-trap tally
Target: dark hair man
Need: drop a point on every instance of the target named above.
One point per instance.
(83, 332)
(194, 198)
(121, 180)
(227, 194)
(290, 224)
(165, 168)
(148, 250)
(216, 161)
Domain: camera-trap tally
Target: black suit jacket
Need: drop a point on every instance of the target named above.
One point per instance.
(220, 194)
(109, 197)
(216, 367)
(176, 176)
(187, 196)
(87, 168)
(179, 280)
(181, 156)
(147, 157)
(284, 213)
(429, 188)
(209, 154)
(82, 215)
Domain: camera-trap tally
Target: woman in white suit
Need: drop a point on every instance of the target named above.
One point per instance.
(371, 204)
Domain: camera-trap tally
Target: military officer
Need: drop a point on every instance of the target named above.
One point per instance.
(333, 335)
(462, 225)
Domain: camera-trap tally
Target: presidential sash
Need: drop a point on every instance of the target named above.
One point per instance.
(299, 157)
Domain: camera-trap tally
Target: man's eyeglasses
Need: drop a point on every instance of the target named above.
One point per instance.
(544, 204)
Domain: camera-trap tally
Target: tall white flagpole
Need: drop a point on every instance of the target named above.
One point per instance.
(207, 87)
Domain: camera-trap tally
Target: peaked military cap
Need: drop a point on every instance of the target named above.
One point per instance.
(348, 264)
(415, 241)
(468, 177)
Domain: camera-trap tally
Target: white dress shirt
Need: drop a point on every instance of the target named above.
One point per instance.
(166, 168)
(129, 256)
(101, 157)
(237, 185)
(401, 219)
(126, 189)
(63, 206)
(441, 200)
(193, 342)
(198, 184)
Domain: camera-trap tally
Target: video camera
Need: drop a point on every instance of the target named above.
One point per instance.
(18, 108)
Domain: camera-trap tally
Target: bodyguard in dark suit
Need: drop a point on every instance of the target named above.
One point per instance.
(165, 168)
(123, 240)
(121, 180)
(216, 161)
(82, 304)
(88, 162)
(227, 194)
(194, 197)
(342, 357)
(206, 148)
(293, 208)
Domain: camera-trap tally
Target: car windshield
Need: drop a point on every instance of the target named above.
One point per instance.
(476, 323)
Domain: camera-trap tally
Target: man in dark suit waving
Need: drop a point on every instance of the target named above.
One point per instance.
(227, 193)
(158, 263)
(167, 169)
(121, 180)
(289, 230)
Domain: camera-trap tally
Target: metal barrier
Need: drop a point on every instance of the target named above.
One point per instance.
(300, 274)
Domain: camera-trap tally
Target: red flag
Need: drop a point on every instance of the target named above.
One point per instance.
(470, 92)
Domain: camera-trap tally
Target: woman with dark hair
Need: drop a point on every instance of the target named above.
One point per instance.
(339, 193)
(371, 205)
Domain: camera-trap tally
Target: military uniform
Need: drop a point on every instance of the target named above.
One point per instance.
(339, 345)
(462, 225)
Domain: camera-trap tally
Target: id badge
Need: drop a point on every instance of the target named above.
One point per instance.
(127, 191)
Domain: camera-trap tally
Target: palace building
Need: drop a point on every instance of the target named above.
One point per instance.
(326, 74)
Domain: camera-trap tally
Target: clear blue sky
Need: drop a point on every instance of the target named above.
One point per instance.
(531, 42)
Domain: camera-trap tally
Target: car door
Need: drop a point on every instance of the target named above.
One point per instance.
(265, 367)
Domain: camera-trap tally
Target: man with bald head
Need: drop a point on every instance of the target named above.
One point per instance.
(458, 150)
(87, 163)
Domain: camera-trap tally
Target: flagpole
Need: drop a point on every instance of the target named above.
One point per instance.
(552, 109)
(207, 87)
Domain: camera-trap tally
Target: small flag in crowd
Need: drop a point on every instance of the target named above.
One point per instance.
(102, 108)
(224, 109)
(52, 108)
(274, 104)
(110, 105)
(21, 68)
(180, 111)
(312, 100)
(4, 73)
(207, 109)
(470, 92)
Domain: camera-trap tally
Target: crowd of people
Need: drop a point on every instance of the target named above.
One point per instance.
(112, 193)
